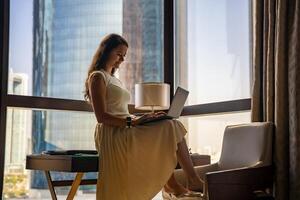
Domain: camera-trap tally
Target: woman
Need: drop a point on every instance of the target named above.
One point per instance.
(136, 161)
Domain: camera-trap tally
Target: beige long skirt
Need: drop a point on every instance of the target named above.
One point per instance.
(135, 163)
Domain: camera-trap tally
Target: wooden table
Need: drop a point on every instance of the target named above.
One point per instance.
(78, 163)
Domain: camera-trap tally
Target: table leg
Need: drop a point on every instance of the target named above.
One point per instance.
(75, 186)
(50, 185)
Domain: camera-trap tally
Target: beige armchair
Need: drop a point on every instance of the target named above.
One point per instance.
(245, 164)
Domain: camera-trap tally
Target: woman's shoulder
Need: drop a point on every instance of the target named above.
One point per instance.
(99, 74)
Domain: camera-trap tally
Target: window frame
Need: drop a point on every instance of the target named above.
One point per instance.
(32, 102)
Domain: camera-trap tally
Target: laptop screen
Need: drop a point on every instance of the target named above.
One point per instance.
(178, 102)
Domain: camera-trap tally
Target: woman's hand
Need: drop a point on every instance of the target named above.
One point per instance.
(138, 120)
(160, 113)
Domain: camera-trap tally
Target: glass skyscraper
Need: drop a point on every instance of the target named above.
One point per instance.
(143, 28)
(66, 34)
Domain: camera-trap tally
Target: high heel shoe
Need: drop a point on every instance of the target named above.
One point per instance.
(190, 195)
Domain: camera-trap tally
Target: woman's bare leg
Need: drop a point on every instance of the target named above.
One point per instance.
(186, 164)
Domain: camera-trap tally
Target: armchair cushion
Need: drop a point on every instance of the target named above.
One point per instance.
(247, 145)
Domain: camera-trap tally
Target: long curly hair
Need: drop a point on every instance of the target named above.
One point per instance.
(109, 43)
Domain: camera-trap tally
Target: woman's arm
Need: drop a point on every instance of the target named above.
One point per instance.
(97, 96)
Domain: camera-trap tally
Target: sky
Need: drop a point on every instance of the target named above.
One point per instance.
(218, 50)
(20, 35)
(20, 38)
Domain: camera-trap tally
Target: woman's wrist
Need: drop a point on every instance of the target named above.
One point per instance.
(128, 122)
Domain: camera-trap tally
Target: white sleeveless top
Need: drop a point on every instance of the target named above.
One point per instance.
(117, 96)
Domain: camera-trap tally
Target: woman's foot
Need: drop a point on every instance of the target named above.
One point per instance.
(168, 194)
(195, 184)
(175, 189)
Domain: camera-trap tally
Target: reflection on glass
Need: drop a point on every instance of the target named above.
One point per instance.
(212, 49)
(58, 130)
(205, 133)
(55, 48)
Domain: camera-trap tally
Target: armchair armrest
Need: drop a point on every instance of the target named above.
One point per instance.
(238, 183)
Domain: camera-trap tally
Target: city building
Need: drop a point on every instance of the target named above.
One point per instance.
(143, 29)
(17, 127)
(65, 37)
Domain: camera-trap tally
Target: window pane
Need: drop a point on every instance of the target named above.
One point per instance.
(212, 49)
(29, 132)
(205, 133)
(50, 56)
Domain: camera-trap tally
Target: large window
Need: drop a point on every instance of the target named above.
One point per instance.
(46, 47)
(212, 60)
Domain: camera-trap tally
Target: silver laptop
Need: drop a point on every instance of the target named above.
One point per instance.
(176, 107)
